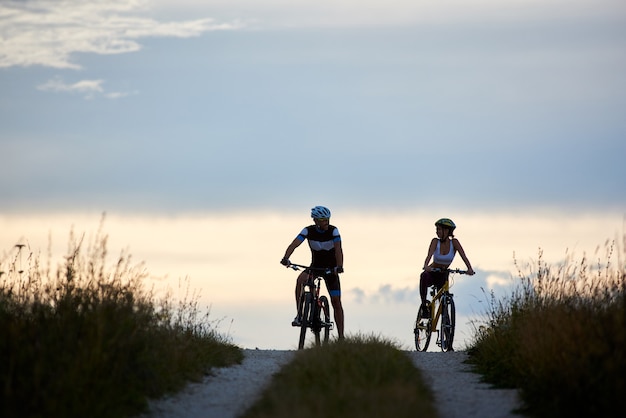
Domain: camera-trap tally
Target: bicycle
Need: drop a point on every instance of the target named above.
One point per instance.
(311, 306)
(441, 306)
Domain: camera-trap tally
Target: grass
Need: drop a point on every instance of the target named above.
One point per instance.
(356, 377)
(560, 338)
(87, 339)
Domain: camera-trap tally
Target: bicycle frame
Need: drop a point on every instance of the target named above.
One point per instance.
(437, 300)
(314, 284)
(311, 306)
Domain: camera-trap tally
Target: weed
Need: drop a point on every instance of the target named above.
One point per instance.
(356, 377)
(89, 340)
(560, 338)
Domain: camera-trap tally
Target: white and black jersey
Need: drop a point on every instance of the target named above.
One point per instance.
(322, 244)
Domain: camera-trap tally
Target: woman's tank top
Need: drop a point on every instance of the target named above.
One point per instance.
(445, 259)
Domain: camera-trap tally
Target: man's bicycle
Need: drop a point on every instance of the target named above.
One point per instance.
(312, 306)
(441, 307)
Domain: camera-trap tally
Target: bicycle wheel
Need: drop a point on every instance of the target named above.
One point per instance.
(422, 331)
(448, 319)
(306, 309)
(327, 324)
(316, 321)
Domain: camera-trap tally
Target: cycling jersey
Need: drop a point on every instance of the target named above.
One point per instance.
(322, 244)
(445, 259)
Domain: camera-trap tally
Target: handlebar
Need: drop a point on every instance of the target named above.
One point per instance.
(318, 269)
(459, 271)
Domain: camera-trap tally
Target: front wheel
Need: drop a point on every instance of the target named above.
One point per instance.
(306, 302)
(326, 311)
(448, 319)
(422, 331)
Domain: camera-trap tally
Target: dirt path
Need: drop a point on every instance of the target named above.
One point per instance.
(231, 390)
(459, 393)
(227, 393)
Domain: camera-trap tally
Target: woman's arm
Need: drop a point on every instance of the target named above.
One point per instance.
(459, 248)
(431, 251)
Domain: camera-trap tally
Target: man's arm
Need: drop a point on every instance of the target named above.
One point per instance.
(339, 255)
(290, 249)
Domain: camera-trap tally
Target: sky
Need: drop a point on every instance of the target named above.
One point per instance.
(207, 130)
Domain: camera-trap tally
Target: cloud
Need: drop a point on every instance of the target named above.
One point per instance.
(357, 294)
(371, 13)
(83, 86)
(89, 88)
(387, 294)
(118, 94)
(472, 293)
(48, 33)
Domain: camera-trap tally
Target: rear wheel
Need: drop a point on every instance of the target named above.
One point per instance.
(422, 331)
(321, 320)
(448, 319)
(306, 302)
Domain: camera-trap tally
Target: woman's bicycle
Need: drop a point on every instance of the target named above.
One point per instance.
(441, 307)
(312, 306)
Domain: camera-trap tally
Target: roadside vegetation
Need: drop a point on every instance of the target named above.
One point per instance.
(560, 338)
(360, 376)
(86, 339)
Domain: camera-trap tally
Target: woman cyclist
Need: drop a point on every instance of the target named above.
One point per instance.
(442, 250)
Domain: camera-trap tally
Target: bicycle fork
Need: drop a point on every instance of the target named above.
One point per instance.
(436, 318)
(303, 295)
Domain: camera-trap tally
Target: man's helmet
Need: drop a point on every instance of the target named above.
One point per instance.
(446, 223)
(320, 212)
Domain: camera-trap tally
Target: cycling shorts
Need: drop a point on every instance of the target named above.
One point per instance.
(332, 284)
(434, 278)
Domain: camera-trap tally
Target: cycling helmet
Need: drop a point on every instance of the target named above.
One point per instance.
(320, 212)
(446, 223)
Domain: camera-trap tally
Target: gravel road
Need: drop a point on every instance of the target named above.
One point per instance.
(459, 392)
(231, 390)
(228, 392)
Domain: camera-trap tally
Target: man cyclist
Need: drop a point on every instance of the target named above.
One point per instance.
(326, 252)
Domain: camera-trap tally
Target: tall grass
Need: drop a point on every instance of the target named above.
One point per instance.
(560, 338)
(87, 339)
(356, 377)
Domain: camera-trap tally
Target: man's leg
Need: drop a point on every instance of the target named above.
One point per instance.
(338, 313)
(302, 278)
(299, 283)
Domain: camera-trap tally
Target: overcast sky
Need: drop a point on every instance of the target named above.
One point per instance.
(134, 105)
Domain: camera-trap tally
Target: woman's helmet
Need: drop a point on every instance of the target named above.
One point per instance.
(446, 223)
(320, 212)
